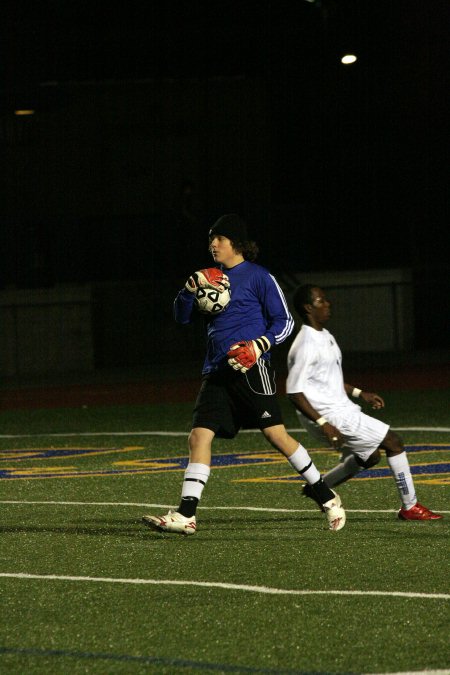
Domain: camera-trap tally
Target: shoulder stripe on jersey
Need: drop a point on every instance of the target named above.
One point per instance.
(289, 327)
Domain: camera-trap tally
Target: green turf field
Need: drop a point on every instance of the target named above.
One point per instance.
(262, 587)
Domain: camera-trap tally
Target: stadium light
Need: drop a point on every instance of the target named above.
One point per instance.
(347, 59)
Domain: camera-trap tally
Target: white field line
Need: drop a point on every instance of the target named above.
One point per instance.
(267, 590)
(186, 433)
(145, 505)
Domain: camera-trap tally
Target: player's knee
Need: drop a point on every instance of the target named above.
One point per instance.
(393, 444)
(373, 459)
(200, 438)
(273, 435)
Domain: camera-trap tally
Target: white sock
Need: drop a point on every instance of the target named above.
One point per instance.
(342, 471)
(195, 478)
(402, 474)
(303, 464)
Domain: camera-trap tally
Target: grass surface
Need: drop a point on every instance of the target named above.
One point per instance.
(97, 591)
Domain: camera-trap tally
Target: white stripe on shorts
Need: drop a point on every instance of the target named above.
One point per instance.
(264, 375)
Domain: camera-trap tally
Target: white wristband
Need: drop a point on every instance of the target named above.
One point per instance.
(356, 393)
(321, 421)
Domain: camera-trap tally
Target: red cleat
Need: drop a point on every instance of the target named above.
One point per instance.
(418, 512)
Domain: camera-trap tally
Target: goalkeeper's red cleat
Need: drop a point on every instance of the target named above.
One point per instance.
(418, 512)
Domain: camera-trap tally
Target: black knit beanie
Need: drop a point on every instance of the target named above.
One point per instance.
(231, 226)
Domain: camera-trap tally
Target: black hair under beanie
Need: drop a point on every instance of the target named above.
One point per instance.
(231, 226)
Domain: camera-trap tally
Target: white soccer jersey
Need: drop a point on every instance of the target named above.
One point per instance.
(315, 369)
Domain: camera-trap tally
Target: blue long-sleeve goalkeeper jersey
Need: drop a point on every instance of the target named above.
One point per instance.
(257, 307)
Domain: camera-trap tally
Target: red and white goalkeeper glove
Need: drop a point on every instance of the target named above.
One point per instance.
(243, 355)
(208, 278)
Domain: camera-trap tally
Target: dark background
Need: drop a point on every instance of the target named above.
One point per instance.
(154, 118)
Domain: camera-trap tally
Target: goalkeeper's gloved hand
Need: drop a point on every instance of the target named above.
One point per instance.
(208, 278)
(243, 355)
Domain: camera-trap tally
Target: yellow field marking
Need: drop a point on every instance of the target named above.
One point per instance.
(431, 478)
(272, 456)
(37, 470)
(145, 465)
(148, 464)
(12, 455)
(31, 452)
(445, 480)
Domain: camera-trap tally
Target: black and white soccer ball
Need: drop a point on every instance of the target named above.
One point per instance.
(212, 301)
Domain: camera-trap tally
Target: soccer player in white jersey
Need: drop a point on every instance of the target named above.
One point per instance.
(238, 386)
(316, 387)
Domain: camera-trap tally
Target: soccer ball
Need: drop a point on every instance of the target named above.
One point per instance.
(212, 301)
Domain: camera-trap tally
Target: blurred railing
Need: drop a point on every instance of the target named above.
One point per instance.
(130, 324)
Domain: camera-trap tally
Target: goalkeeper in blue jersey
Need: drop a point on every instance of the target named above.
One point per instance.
(238, 386)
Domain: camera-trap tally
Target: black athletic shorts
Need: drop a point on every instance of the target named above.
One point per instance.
(229, 400)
